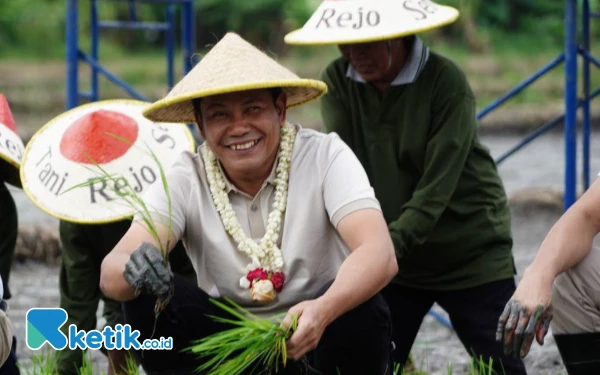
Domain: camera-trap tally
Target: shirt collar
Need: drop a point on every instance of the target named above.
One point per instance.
(232, 188)
(410, 71)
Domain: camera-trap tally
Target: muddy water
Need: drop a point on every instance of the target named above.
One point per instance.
(540, 164)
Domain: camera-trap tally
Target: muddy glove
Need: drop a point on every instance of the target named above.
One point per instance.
(147, 272)
(526, 316)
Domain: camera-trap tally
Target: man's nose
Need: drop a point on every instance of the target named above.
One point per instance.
(239, 125)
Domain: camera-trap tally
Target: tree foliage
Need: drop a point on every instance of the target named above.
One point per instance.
(39, 25)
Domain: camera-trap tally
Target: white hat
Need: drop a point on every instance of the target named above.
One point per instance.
(232, 65)
(358, 21)
(117, 137)
(11, 145)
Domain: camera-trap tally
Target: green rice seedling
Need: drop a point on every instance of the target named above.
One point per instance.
(253, 343)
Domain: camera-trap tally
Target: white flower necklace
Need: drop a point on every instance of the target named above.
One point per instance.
(265, 274)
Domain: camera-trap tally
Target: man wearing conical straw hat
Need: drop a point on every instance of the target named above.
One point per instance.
(115, 135)
(408, 113)
(277, 218)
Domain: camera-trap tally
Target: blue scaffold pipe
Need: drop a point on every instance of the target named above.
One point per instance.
(528, 81)
(132, 12)
(440, 318)
(543, 129)
(72, 48)
(170, 45)
(94, 50)
(159, 26)
(586, 92)
(589, 57)
(86, 95)
(570, 97)
(157, 1)
(188, 43)
(113, 78)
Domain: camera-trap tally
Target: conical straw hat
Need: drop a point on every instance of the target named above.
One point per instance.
(11, 145)
(118, 138)
(231, 65)
(359, 21)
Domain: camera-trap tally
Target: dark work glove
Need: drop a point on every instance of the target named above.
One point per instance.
(146, 271)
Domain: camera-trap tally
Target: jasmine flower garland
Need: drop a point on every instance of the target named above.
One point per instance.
(265, 274)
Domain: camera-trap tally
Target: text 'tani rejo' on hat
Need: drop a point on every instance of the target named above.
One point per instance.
(11, 145)
(231, 65)
(360, 21)
(113, 135)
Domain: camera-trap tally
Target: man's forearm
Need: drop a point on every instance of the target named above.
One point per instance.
(567, 243)
(112, 281)
(366, 271)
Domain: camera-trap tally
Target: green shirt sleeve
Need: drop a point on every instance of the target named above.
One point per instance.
(452, 131)
(334, 112)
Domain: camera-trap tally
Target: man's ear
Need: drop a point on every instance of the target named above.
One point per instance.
(281, 107)
(199, 124)
(198, 119)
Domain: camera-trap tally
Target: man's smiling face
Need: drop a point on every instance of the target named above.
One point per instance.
(243, 130)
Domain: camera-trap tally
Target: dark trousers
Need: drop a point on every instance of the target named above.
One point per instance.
(357, 343)
(474, 314)
(11, 367)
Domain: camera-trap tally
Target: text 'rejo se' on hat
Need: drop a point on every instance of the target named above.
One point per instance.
(11, 145)
(360, 21)
(113, 134)
(231, 65)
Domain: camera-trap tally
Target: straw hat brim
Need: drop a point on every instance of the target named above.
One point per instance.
(11, 155)
(179, 109)
(296, 37)
(307, 35)
(73, 209)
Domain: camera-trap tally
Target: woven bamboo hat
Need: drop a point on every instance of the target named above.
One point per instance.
(75, 147)
(231, 65)
(11, 145)
(360, 21)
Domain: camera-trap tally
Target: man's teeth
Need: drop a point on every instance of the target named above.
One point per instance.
(243, 146)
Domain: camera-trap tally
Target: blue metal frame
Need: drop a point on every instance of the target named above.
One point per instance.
(74, 54)
(572, 49)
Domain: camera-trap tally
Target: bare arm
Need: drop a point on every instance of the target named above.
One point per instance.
(370, 266)
(570, 239)
(529, 311)
(112, 281)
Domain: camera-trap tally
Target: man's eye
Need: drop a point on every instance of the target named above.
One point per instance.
(218, 114)
(254, 109)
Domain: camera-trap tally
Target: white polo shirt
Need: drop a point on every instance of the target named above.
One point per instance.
(326, 182)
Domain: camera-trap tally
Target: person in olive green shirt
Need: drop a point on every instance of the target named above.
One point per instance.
(408, 113)
(84, 246)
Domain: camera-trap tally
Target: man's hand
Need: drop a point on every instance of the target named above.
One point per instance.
(146, 271)
(526, 315)
(313, 318)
